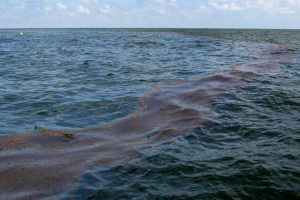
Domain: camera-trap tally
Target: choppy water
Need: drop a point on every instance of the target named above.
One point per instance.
(80, 78)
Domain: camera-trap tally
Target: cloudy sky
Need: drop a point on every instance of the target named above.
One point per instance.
(150, 13)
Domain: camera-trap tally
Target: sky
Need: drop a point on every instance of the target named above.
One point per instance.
(279, 14)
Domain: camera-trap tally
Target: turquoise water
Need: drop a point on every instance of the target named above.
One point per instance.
(80, 78)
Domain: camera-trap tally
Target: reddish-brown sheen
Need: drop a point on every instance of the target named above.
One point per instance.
(46, 163)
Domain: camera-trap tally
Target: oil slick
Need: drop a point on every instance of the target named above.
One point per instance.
(49, 163)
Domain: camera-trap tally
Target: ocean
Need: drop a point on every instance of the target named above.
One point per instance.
(149, 114)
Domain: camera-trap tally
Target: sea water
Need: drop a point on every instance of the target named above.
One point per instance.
(64, 79)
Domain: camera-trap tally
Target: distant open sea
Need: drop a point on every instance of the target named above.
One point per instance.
(247, 148)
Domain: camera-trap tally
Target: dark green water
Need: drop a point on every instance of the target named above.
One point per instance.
(79, 78)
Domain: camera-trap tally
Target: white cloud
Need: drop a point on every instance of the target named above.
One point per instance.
(105, 9)
(202, 9)
(158, 9)
(61, 6)
(88, 1)
(287, 11)
(83, 10)
(148, 13)
(174, 3)
(158, 1)
(274, 7)
(230, 7)
(234, 7)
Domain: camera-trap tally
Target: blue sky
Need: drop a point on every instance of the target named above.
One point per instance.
(150, 13)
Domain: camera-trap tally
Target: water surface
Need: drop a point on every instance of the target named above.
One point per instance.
(232, 134)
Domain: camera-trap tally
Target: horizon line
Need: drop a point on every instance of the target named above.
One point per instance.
(147, 28)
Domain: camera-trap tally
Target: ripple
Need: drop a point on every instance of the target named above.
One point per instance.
(229, 135)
